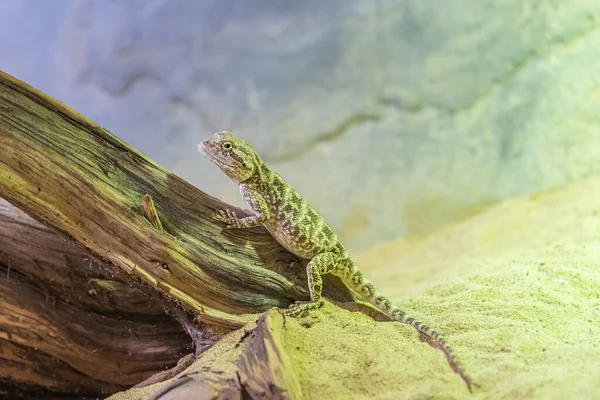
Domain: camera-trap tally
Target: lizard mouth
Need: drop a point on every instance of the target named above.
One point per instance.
(204, 149)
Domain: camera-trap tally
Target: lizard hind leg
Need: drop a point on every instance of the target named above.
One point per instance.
(319, 265)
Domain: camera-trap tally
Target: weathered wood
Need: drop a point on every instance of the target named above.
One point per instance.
(68, 325)
(249, 363)
(265, 369)
(77, 177)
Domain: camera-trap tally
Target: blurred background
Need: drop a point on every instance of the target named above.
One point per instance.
(392, 117)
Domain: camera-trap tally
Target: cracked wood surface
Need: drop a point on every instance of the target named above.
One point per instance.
(77, 177)
(69, 325)
(265, 369)
(249, 363)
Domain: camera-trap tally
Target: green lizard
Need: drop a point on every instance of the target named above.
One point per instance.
(300, 229)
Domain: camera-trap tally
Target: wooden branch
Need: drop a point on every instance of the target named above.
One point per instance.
(249, 363)
(68, 325)
(77, 177)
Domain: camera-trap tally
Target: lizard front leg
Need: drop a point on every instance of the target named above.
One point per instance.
(319, 265)
(233, 221)
(259, 206)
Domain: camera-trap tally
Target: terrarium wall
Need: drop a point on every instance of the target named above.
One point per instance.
(392, 118)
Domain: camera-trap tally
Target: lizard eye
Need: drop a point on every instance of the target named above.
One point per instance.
(226, 146)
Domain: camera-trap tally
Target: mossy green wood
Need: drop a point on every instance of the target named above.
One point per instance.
(77, 177)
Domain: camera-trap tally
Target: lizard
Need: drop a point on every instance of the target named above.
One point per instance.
(298, 227)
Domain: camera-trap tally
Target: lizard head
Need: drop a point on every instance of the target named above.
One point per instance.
(234, 156)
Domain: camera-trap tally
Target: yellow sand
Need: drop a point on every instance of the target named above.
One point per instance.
(515, 290)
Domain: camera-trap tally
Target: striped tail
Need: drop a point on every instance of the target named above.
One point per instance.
(366, 288)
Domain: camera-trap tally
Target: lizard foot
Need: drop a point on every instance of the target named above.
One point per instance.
(301, 306)
(230, 218)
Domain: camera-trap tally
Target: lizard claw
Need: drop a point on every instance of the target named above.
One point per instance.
(218, 216)
(300, 307)
(230, 218)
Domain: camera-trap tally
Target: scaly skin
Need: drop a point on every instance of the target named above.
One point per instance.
(300, 229)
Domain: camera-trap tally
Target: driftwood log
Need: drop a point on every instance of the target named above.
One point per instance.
(157, 246)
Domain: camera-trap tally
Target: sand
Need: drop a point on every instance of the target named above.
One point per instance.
(515, 290)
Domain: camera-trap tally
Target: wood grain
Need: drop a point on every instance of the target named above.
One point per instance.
(77, 177)
(68, 324)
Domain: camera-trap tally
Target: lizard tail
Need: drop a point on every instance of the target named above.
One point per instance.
(366, 288)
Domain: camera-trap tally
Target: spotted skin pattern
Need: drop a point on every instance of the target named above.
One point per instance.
(300, 229)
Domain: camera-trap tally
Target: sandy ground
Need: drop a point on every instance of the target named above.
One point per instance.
(515, 290)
